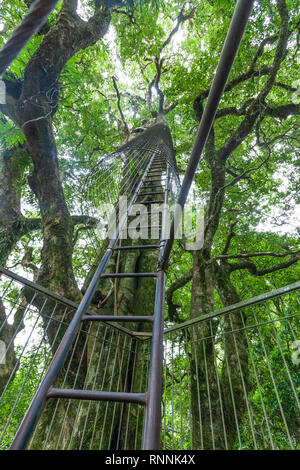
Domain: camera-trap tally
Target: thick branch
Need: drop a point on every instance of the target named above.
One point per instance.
(158, 62)
(254, 255)
(182, 17)
(257, 106)
(11, 234)
(241, 78)
(230, 235)
(252, 268)
(281, 112)
(178, 284)
(251, 73)
(84, 219)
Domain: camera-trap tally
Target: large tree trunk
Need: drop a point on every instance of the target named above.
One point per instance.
(28, 105)
(235, 357)
(205, 396)
(56, 257)
(218, 401)
(100, 425)
(212, 411)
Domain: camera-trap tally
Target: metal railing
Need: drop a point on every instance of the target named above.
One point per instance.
(107, 357)
(231, 378)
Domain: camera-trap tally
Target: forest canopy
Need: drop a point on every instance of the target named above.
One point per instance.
(99, 73)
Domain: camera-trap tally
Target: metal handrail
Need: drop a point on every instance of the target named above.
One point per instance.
(233, 39)
(238, 306)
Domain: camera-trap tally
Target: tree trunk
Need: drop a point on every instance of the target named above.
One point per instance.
(235, 357)
(100, 425)
(205, 395)
(218, 401)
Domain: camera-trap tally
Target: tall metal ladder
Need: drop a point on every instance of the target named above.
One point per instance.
(151, 399)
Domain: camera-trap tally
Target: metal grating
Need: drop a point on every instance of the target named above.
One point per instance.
(119, 174)
(231, 379)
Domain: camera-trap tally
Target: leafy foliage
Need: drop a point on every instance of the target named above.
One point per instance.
(160, 58)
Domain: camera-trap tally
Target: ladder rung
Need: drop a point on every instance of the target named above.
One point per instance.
(154, 186)
(122, 275)
(112, 318)
(149, 213)
(151, 177)
(98, 396)
(153, 202)
(150, 194)
(152, 180)
(136, 247)
(140, 227)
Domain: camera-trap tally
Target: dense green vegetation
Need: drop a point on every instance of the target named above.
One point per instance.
(97, 74)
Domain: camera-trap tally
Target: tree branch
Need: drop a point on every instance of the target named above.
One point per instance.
(178, 284)
(252, 268)
(181, 18)
(257, 107)
(281, 112)
(88, 222)
(253, 255)
(84, 219)
(119, 104)
(230, 235)
(158, 62)
(251, 73)
(245, 174)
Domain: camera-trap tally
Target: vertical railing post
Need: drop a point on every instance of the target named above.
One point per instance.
(154, 395)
